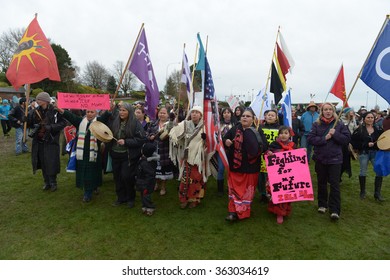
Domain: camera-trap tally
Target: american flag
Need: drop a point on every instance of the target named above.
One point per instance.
(211, 117)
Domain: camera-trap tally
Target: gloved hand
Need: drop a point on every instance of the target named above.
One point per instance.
(203, 135)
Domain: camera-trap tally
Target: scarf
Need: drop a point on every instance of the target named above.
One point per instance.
(286, 146)
(93, 146)
(327, 121)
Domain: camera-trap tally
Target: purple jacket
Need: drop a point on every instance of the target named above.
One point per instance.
(328, 151)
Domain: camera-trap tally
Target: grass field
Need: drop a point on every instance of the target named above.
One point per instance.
(36, 225)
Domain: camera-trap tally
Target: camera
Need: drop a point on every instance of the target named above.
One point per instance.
(34, 130)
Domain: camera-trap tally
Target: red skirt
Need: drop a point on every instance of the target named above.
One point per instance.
(191, 187)
(281, 209)
(241, 192)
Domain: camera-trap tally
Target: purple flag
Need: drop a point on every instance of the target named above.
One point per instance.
(141, 66)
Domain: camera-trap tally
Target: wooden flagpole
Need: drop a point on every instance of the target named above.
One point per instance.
(269, 77)
(193, 76)
(361, 70)
(27, 93)
(128, 62)
(207, 43)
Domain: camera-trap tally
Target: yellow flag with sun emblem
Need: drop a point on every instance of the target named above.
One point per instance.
(33, 60)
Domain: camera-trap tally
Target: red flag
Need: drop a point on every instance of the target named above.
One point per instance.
(34, 59)
(283, 61)
(338, 87)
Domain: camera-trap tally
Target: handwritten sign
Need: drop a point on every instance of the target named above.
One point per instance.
(289, 176)
(83, 101)
(271, 135)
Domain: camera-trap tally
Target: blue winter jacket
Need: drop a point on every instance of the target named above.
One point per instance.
(308, 119)
(329, 151)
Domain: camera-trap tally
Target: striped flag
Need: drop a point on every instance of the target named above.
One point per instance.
(286, 110)
(211, 117)
(210, 110)
(186, 79)
(286, 52)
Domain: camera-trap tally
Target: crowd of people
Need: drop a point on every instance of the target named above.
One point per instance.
(144, 154)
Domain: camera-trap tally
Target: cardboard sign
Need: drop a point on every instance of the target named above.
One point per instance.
(83, 101)
(271, 135)
(289, 176)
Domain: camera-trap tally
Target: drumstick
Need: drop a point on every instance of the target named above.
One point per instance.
(105, 132)
(380, 138)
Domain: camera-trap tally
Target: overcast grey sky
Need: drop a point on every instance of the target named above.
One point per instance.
(320, 35)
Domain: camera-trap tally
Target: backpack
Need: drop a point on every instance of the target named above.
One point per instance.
(258, 137)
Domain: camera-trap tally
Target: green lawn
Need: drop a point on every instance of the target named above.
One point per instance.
(36, 225)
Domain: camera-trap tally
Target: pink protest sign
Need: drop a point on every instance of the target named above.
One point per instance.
(289, 176)
(83, 101)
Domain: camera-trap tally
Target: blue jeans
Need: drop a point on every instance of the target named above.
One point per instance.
(306, 145)
(364, 158)
(221, 168)
(20, 145)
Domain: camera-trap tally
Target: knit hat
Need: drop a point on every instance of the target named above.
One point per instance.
(44, 96)
(148, 149)
(22, 100)
(197, 108)
(5, 101)
(347, 110)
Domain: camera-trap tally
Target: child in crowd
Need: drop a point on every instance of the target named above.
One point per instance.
(270, 129)
(282, 143)
(146, 177)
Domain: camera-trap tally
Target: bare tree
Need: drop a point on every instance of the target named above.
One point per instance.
(173, 83)
(129, 80)
(8, 44)
(95, 75)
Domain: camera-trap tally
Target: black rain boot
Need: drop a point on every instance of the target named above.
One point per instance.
(378, 187)
(53, 187)
(220, 187)
(362, 181)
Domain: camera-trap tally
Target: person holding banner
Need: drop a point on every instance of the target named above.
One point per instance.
(88, 151)
(125, 153)
(364, 139)
(45, 125)
(244, 147)
(282, 143)
(327, 135)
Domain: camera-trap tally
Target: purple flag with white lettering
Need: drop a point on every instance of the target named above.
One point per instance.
(141, 66)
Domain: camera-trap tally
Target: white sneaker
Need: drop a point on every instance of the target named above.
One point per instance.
(334, 216)
(321, 210)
